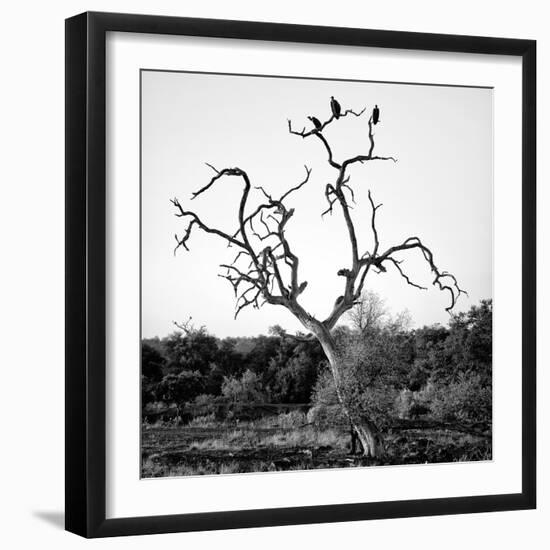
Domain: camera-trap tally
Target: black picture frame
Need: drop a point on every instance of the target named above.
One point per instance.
(86, 279)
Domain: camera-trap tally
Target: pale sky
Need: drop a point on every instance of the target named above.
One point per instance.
(439, 190)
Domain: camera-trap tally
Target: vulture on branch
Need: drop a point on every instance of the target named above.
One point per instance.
(335, 107)
(316, 122)
(375, 114)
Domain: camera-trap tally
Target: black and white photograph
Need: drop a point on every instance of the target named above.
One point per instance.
(274, 275)
(316, 273)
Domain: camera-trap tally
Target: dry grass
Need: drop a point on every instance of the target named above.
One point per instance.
(283, 442)
(206, 421)
(151, 468)
(307, 437)
(247, 437)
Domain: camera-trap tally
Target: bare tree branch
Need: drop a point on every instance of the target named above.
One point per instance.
(261, 232)
(254, 284)
(335, 193)
(397, 265)
(181, 213)
(187, 326)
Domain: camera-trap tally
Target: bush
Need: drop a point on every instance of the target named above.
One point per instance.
(204, 404)
(411, 404)
(369, 374)
(292, 419)
(376, 403)
(366, 383)
(326, 416)
(180, 388)
(466, 400)
(203, 421)
(246, 389)
(403, 403)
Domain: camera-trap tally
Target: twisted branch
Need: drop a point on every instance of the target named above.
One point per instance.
(261, 273)
(355, 275)
(263, 280)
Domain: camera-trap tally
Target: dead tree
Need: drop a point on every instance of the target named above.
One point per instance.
(369, 313)
(266, 270)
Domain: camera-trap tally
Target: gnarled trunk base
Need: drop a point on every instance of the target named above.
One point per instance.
(368, 437)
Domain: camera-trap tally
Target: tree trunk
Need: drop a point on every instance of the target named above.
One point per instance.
(366, 431)
(369, 437)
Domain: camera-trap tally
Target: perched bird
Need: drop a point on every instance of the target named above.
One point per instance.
(316, 122)
(338, 301)
(335, 107)
(375, 114)
(302, 287)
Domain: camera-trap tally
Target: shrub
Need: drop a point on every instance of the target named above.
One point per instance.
(411, 404)
(181, 388)
(246, 389)
(466, 400)
(204, 404)
(324, 391)
(403, 403)
(325, 416)
(376, 404)
(292, 419)
(369, 374)
(203, 421)
(365, 383)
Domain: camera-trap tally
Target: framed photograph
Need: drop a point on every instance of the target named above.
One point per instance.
(300, 274)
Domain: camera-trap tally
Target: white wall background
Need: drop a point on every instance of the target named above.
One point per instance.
(32, 271)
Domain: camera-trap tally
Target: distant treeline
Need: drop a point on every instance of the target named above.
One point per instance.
(193, 366)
